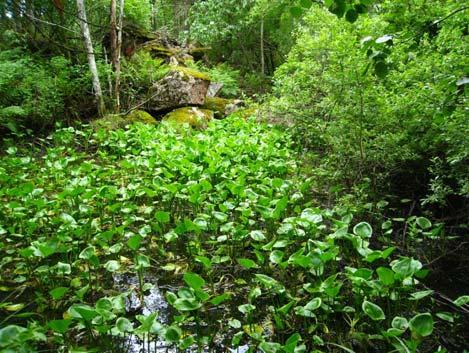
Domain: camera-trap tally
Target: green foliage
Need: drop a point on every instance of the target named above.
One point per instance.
(86, 206)
(138, 12)
(388, 107)
(138, 75)
(37, 92)
(224, 74)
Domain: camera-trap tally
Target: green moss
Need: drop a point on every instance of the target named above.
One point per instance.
(217, 104)
(245, 113)
(157, 49)
(195, 117)
(141, 116)
(109, 122)
(191, 72)
(117, 121)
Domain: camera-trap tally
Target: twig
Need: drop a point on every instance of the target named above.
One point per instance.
(50, 23)
(448, 16)
(446, 254)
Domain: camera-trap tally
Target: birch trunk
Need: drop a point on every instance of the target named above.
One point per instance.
(90, 54)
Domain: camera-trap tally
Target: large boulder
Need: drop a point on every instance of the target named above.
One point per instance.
(181, 87)
(195, 117)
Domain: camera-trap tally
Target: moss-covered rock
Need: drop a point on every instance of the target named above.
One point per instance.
(245, 113)
(158, 49)
(218, 105)
(118, 121)
(109, 122)
(190, 72)
(140, 116)
(181, 87)
(193, 116)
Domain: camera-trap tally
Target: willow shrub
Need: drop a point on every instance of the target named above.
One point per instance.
(402, 123)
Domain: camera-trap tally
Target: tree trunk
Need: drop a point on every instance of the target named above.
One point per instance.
(90, 53)
(262, 47)
(113, 34)
(118, 54)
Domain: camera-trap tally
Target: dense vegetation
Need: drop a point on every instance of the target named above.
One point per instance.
(326, 212)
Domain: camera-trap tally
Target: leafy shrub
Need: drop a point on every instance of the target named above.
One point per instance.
(403, 130)
(37, 92)
(221, 73)
(138, 75)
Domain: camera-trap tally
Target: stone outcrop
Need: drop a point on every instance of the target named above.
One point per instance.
(181, 87)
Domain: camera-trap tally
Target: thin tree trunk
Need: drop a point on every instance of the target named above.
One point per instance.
(118, 54)
(113, 34)
(90, 53)
(262, 47)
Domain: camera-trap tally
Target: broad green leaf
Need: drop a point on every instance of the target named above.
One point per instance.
(124, 325)
(373, 311)
(246, 308)
(313, 304)
(463, 300)
(400, 323)
(257, 235)
(193, 280)
(421, 325)
(220, 299)
(385, 275)
(363, 230)
(421, 294)
(423, 222)
(446, 316)
(270, 347)
(162, 217)
(173, 334)
(187, 304)
(60, 326)
(247, 263)
(58, 292)
(142, 261)
(87, 253)
(112, 266)
(276, 256)
(234, 323)
(134, 241)
(406, 266)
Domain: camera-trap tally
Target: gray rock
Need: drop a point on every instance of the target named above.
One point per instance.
(180, 87)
